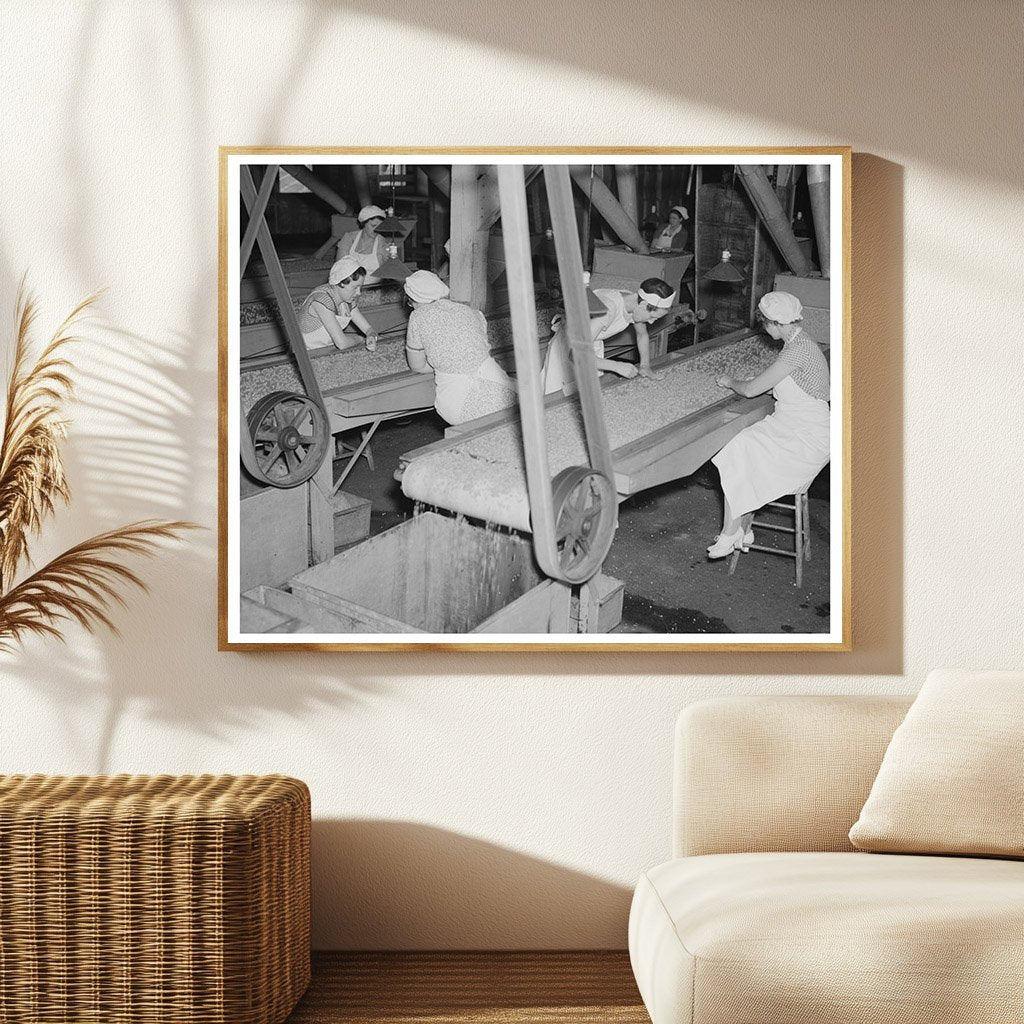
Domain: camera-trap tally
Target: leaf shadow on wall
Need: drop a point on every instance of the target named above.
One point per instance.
(145, 442)
(893, 78)
(405, 885)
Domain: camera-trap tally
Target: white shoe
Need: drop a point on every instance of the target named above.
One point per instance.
(748, 539)
(727, 543)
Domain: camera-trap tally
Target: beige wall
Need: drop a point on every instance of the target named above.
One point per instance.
(482, 800)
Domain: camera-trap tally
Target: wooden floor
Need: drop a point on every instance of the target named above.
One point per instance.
(465, 988)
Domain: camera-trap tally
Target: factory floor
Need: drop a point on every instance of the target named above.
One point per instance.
(659, 551)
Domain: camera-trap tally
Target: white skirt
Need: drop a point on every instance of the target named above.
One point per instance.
(781, 454)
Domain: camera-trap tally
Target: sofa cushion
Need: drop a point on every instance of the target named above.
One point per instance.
(950, 781)
(788, 938)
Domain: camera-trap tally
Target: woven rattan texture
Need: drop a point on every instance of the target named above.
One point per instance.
(144, 899)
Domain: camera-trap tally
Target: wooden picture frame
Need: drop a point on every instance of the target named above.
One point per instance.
(297, 570)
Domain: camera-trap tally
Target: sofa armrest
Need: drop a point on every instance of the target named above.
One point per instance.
(779, 773)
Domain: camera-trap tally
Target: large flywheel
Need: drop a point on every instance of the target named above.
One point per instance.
(290, 438)
(585, 505)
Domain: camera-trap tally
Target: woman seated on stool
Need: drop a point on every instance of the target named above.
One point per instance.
(329, 308)
(451, 339)
(784, 452)
(672, 236)
(622, 309)
(365, 245)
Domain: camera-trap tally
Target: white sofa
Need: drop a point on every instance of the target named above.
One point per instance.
(768, 915)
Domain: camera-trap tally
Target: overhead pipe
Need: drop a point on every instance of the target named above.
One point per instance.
(768, 207)
(362, 181)
(440, 176)
(608, 206)
(625, 182)
(818, 186)
(304, 176)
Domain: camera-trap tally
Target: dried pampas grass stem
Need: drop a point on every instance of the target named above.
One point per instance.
(82, 583)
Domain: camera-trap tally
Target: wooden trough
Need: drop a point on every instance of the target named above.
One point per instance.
(480, 471)
(440, 575)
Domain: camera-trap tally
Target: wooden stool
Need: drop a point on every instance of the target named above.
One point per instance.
(800, 530)
(344, 450)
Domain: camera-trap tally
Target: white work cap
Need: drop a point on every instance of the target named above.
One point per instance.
(345, 267)
(369, 212)
(781, 307)
(423, 286)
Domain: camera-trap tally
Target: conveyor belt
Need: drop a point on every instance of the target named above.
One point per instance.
(659, 430)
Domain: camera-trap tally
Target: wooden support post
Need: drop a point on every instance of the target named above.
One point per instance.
(490, 201)
(320, 489)
(256, 217)
(289, 318)
(468, 265)
(697, 268)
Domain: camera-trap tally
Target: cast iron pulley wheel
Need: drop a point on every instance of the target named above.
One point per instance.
(290, 438)
(586, 511)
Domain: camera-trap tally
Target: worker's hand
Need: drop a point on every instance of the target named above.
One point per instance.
(724, 382)
(371, 343)
(646, 371)
(627, 370)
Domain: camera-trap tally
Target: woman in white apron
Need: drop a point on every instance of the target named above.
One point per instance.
(329, 308)
(784, 452)
(622, 310)
(672, 236)
(365, 245)
(450, 339)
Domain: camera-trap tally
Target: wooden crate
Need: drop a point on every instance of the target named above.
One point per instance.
(603, 608)
(351, 519)
(621, 264)
(435, 574)
(153, 899)
(273, 535)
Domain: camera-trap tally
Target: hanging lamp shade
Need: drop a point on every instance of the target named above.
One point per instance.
(725, 271)
(392, 269)
(391, 227)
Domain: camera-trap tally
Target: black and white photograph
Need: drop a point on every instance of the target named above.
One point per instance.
(517, 399)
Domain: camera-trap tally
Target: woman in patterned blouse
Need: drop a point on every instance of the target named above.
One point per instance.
(329, 308)
(784, 452)
(450, 339)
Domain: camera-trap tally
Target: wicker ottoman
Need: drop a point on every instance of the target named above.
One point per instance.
(171, 899)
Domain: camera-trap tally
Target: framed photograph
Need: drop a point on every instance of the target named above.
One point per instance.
(563, 399)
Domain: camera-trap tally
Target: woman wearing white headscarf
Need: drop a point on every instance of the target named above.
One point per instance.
(672, 237)
(365, 245)
(784, 452)
(636, 309)
(329, 308)
(450, 339)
